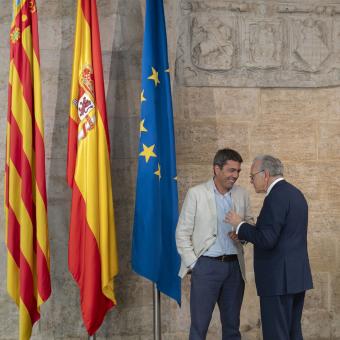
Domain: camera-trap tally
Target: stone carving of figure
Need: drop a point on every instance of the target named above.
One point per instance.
(213, 48)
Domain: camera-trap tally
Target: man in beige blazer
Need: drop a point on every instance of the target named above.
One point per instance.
(215, 261)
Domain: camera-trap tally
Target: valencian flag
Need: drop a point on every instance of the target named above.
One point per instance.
(28, 260)
(154, 253)
(92, 244)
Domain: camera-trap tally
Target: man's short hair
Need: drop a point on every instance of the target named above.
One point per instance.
(270, 163)
(224, 155)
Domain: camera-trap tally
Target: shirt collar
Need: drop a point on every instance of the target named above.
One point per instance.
(272, 185)
(218, 193)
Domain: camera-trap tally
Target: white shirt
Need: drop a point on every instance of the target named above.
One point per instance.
(271, 186)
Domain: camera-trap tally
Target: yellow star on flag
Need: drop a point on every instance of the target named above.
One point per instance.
(141, 126)
(158, 172)
(148, 152)
(154, 76)
(142, 98)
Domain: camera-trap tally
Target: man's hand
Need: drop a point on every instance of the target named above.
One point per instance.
(233, 236)
(232, 218)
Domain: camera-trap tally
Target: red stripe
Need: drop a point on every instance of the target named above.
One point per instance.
(7, 185)
(98, 70)
(38, 142)
(35, 34)
(27, 289)
(72, 150)
(23, 167)
(85, 265)
(85, 6)
(26, 277)
(13, 236)
(40, 163)
(6, 164)
(13, 245)
(43, 274)
(23, 66)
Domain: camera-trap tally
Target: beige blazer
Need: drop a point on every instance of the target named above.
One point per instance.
(197, 225)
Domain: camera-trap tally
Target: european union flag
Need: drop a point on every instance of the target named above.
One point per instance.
(154, 253)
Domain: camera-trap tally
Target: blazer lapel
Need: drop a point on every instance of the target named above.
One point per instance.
(236, 206)
(211, 197)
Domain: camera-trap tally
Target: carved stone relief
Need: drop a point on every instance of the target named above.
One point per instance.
(262, 44)
(259, 43)
(212, 45)
(311, 45)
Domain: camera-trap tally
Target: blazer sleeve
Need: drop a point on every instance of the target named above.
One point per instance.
(267, 230)
(185, 228)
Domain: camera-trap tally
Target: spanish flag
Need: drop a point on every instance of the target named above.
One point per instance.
(28, 260)
(92, 244)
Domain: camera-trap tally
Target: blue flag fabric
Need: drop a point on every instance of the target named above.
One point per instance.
(154, 253)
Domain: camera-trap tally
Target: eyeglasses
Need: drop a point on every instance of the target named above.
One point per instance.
(253, 175)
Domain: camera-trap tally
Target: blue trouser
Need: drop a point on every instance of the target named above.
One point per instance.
(281, 316)
(214, 282)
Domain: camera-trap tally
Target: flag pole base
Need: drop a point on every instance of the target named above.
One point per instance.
(156, 313)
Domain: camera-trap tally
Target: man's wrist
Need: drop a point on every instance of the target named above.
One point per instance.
(238, 227)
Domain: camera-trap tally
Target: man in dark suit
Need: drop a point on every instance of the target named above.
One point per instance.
(281, 264)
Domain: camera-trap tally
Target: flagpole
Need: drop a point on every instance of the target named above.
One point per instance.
(156, 313)
(92, 337)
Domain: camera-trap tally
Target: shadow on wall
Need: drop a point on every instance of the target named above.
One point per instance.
(123, 93)
(63, 314)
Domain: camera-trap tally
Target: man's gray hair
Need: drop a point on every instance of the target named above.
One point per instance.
(270, 163)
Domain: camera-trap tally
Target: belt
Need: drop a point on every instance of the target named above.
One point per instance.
(224, 258)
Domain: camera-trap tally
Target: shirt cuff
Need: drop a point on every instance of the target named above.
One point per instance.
(238, 227)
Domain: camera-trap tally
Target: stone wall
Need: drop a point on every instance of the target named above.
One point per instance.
(300, 126)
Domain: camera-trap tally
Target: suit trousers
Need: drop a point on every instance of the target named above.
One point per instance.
(281, 316)
(212, 282)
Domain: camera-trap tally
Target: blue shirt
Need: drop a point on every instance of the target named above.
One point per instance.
(223, 245)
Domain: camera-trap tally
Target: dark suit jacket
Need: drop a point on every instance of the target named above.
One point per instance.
(281, 263)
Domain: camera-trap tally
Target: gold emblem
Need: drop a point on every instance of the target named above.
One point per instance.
(86, 79)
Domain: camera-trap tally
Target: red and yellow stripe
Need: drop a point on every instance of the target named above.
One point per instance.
(92, 244)
(28, 260)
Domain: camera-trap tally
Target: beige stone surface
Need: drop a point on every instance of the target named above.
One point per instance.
(301, 126)
(233, 134)
(288, 140)
(300, 104)
(237, 104)
(196, 140)
(194, 103)
(329, 140)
